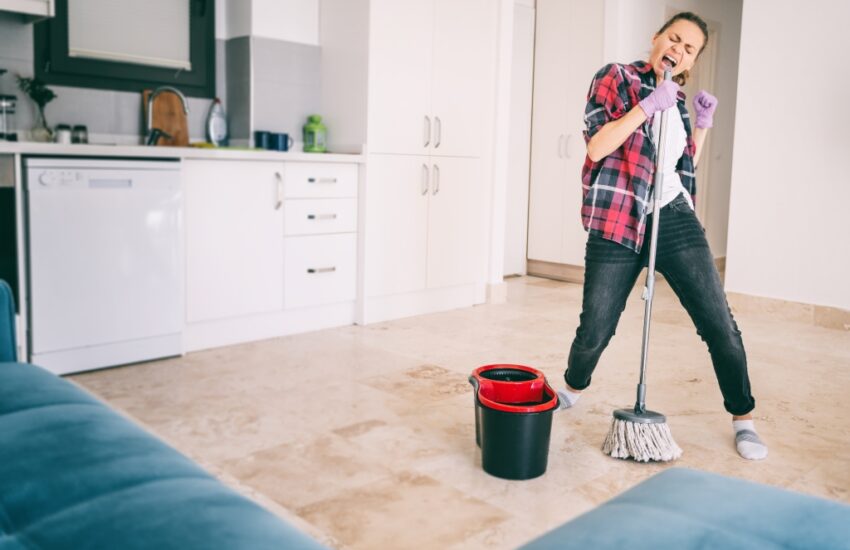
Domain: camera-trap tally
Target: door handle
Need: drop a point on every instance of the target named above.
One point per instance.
(560, 146)
(321, 180)
(278, 191)
(436, 179)
(567, 146)
(427, 129)
(321, 216)
(439, 124)
(424, 179)
(321, 269)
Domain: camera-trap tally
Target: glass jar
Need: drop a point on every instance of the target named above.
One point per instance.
(315, 135)
(79, 134)
(8, 127)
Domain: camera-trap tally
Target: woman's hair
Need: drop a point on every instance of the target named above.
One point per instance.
(682, 77)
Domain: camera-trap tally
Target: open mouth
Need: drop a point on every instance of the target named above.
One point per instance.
(669, 60)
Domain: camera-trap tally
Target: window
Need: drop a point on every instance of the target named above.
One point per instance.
(129, 45)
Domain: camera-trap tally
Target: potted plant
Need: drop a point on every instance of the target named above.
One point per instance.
(41, 95)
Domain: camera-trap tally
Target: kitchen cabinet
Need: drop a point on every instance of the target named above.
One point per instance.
(271, 248)
(561, 79)
(32, 10)
(425, 223)
(427, 73)
(234, 232)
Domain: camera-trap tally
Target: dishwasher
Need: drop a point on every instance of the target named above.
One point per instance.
(105, 262)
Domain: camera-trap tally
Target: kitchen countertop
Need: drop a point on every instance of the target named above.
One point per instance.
(141, 151)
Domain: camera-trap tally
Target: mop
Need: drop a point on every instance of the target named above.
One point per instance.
(640, 433)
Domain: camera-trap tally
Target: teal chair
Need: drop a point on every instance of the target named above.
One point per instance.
(7, 324)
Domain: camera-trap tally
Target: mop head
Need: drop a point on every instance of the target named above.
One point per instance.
(641, 441)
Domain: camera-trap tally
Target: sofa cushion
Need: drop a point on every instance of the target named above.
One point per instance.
(76, 474)
(682, 508)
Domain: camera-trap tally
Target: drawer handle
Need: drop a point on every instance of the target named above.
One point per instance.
(321, 180)
(278, 191)
(321, 216)
(321, 269)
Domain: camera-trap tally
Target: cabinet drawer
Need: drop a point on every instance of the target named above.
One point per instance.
(320, 270)
(319, 216)
(311, 180)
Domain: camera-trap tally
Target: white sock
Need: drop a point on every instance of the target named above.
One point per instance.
(749, 445)
(567, 398)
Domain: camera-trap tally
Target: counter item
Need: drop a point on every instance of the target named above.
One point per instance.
(169, 116)
(280, 142)
(104, 262)
(261, 139)
(62, 134)
(217, 124)
(79, 134)
(315, 135)
(7, 118)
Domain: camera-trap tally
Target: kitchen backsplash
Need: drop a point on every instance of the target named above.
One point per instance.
(285, 89)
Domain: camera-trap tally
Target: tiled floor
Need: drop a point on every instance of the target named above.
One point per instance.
(364, 436)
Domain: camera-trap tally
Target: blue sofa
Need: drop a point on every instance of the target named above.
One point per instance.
(688, 509)
(76, 475)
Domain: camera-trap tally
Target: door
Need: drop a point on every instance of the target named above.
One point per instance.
(550, 113)
(568, 52)
(400, 62)
(234, 238)
(456, 232)
(396, 219)
(461, 36)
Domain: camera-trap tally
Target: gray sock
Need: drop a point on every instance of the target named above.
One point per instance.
(748, 442)
(567, 398)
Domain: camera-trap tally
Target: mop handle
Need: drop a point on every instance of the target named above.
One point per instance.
(649, 288)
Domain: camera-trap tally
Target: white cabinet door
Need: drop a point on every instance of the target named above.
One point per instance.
(396, 222)
(400, 76)
(37, 9)
(456, 232)
(461, 36)
(549, 134)
(234, 238)
(561, 80)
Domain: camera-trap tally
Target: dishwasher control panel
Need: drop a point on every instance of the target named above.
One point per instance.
(54, 178)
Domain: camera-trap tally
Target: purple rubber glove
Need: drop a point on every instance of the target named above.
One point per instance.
(704, 105)
(663, 97)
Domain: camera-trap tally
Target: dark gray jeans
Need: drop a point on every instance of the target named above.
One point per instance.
(688, 266)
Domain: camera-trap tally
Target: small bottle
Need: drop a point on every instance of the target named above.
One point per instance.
(217, 124)
(79, 134)
(315, 135)
(62, 134)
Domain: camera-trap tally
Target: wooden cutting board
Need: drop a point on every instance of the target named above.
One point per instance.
(169, 117)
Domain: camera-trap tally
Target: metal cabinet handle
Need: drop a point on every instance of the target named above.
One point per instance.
(278, 190)
(321, 269)
(436, 179)
(321, 180)
(321, 216)
(567, 146)
(424, 179)
(439, 132)
(427, 129)
(560, 146)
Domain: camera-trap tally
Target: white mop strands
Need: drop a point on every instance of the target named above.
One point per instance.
(641, 441)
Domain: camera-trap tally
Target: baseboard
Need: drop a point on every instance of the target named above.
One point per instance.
(559, 272)
(820, 316)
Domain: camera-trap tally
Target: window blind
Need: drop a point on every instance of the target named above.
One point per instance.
(152, 32)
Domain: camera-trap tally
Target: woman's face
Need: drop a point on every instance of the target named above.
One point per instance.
(679, 44)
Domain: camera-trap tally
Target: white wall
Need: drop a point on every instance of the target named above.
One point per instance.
(788, 228)
(290, 20)
(630, 26)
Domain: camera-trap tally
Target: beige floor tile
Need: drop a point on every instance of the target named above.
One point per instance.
(365, 435)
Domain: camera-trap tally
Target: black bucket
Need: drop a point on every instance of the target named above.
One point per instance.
(513, 420)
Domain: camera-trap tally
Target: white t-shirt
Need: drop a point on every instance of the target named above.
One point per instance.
(677, 140)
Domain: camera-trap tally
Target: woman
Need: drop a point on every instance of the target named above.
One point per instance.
(623, 123)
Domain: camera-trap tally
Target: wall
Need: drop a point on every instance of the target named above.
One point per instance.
(273, 42)
(629, 29)
(788, 223)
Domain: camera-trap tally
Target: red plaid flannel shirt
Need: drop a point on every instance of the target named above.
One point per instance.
(617, 188)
